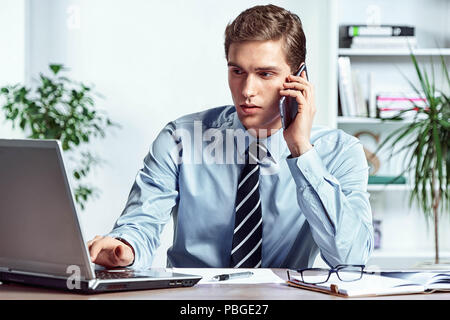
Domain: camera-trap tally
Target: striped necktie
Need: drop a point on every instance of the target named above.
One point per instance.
(247, 237)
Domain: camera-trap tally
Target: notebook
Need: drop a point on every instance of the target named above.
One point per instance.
(381, 284)
(41, 240)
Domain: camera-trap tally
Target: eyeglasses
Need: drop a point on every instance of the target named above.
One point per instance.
(344, 272)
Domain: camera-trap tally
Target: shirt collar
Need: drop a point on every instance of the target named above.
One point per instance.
(275, 143)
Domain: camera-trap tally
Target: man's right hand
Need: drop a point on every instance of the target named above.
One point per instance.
(110, 252)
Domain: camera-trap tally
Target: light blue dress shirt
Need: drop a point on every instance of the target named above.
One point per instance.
(315, 203)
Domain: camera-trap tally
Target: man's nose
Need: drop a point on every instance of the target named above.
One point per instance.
(249, 90)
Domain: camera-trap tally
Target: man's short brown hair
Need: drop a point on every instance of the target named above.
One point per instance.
(269, 22)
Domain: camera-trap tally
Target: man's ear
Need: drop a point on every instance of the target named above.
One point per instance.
(301, 64)
(295, 71)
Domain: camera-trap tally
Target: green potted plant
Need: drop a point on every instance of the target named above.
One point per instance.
(427, 143)
(62, 109)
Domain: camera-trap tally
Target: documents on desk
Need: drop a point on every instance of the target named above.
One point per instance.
(260, 275)
(381, 283)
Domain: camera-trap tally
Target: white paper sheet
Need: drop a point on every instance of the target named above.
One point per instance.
(260, 275)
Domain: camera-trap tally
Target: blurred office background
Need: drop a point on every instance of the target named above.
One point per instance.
(154, 61)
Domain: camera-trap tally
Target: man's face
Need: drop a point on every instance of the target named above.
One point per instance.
(256, 73)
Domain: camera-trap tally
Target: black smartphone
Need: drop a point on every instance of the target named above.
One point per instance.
(288, 105)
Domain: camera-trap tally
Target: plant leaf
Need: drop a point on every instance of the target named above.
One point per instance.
(56, 68)
(444, 67)
(437, 146)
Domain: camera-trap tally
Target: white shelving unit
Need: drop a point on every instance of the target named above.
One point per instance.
(362, 121)
(393, 52)
(406, 238)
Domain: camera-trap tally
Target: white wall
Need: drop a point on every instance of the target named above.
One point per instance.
(12, 45)
(12, 50)
(155, 61)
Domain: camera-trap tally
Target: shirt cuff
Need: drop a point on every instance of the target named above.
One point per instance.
(308, 170)
(117, 233)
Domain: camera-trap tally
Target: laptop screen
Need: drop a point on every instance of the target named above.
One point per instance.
(39, 230)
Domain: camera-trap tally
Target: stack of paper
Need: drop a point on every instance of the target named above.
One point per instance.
(383, 283)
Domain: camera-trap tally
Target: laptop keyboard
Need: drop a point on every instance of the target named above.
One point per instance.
(114, 274)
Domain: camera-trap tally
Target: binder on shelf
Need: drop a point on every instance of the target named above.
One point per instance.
(387, 179)
(380, 31)
(359, 36)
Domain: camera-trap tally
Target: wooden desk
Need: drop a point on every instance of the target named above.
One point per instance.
(198, 292)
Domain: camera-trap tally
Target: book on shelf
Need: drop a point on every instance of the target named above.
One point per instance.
(380, 283)
(345, 86)
(372, 105)
(351, 98)
(384, 43)
(407, 114)
(360, 101)
(354, 31)
(386, 179)
(391, 104)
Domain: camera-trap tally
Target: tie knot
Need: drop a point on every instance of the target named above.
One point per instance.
(256, 152)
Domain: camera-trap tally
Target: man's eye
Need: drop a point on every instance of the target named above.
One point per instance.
(237, 71)
(266, 74)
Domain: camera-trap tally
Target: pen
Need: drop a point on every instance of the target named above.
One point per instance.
(222, 277)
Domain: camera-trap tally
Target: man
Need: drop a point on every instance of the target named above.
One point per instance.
(303, 193)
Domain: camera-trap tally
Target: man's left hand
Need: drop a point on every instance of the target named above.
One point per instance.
(298, 134)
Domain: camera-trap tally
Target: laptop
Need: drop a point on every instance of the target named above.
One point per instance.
(41, 240)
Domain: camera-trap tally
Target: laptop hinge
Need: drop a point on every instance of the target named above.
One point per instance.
(93, 284)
